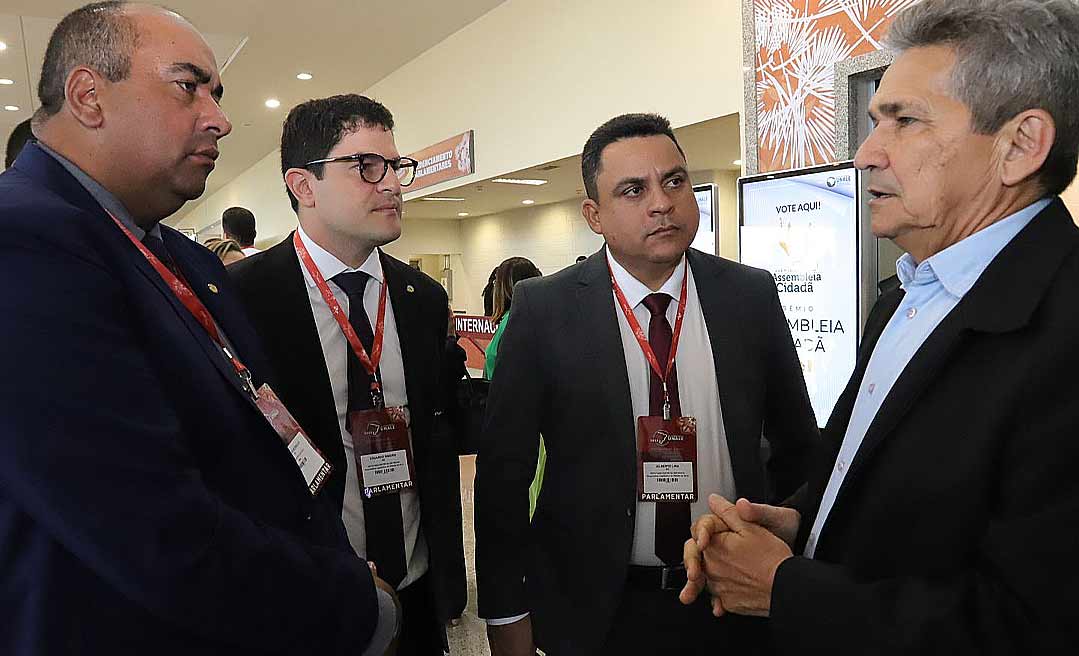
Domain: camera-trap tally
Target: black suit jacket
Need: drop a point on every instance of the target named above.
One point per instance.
(272, 287)
(146, 506)
(562, 373)
(956, 529)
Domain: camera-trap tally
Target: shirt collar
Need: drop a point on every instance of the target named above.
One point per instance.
(329, 266)
(635, 291)
(960, 265)
(104, 198)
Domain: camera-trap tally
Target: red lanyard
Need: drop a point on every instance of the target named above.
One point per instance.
(642, 339)
(370, 364)
(194, 305)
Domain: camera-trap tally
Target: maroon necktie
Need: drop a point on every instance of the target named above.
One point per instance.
(672, 518)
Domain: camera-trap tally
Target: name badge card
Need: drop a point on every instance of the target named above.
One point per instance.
(667, 459)
(313, 465)
(383, 451)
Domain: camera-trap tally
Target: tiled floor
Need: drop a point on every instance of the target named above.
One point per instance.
(470, 637)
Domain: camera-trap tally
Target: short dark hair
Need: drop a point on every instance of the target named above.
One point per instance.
(239, 223)
(99, 35)
(618, 128)
(313, 128)
(15, 142)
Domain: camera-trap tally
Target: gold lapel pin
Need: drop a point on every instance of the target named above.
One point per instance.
(410, 289)
(212, 287)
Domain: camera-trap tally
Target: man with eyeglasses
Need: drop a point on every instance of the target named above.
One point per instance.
(356, 338)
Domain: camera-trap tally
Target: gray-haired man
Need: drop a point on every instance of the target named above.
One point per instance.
(941, 518)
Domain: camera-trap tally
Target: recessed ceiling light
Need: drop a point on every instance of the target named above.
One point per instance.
(450, 199)
(737, 162)
(462, 214)
(520, 181)
(6, 82)
(273, 103)
(11, 108)
(527, 202)
(3, 46)
(304, 76)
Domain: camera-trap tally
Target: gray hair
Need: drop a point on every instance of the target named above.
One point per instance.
(1011, 56)
(99, 35)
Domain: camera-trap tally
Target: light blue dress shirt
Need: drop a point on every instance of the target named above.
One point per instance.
(933, 289)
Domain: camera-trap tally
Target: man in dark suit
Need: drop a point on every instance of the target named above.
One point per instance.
(147, 506)
(573, 367)
(941, 517)
(344, 178)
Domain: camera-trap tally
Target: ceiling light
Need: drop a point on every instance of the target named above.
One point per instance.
(527, 202)
(6, 82)
(3, 46)
(443, 198)
(304, 76)
(534, 183)
(11, 108)
(273, 103)
(462, 214)
(737, 162)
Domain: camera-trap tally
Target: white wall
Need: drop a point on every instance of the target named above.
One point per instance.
(552, 236)
(533, 78)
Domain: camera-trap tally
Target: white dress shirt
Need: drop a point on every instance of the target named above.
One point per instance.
(251, 250)
(335, 348)
(698, 395)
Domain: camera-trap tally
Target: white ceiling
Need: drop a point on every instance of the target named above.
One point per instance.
(346, 44)
(709, 145)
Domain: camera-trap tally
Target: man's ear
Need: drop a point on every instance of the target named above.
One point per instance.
(590, 212)
(81, 98)
(1026, 140)
(298, 182)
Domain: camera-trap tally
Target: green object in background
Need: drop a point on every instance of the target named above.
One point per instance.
(490, 358)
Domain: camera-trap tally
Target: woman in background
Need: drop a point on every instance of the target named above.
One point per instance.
(226, 250)
(508, 274)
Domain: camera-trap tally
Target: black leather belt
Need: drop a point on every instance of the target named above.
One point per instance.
(657, 578)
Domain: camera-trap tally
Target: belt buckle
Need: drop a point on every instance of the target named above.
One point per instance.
(672, 578)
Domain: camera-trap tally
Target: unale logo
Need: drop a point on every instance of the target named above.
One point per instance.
(833, 181)
(374, 428)
(661, 437)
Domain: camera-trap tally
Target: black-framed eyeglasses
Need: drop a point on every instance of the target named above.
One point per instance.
(373, 167)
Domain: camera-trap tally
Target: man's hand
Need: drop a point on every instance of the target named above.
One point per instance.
(512, 639)
(783, 522)
(391, 649)
(701, 563)
(741, 563)
(693, 554)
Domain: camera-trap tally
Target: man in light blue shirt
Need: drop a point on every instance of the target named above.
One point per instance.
(941, 516)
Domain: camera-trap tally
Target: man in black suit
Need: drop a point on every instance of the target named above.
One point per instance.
(147, 504)
(572, 367)
(941, 517)
(341, 320)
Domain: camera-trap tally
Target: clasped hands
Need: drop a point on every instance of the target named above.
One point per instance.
(734, 554)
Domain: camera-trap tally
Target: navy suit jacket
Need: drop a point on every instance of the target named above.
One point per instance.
(146, 506)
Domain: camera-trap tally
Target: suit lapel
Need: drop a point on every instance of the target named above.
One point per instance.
(1002, 300)
(722, 317)
(598, 326)
(409, 323)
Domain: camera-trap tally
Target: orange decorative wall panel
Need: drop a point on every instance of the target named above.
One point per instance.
(798, 43)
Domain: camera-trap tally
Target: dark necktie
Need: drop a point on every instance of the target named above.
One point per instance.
(383, 525)
(157, 247)
(672, 518)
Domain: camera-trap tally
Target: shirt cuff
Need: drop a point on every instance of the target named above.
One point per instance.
(502, 621)
(388, 621)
